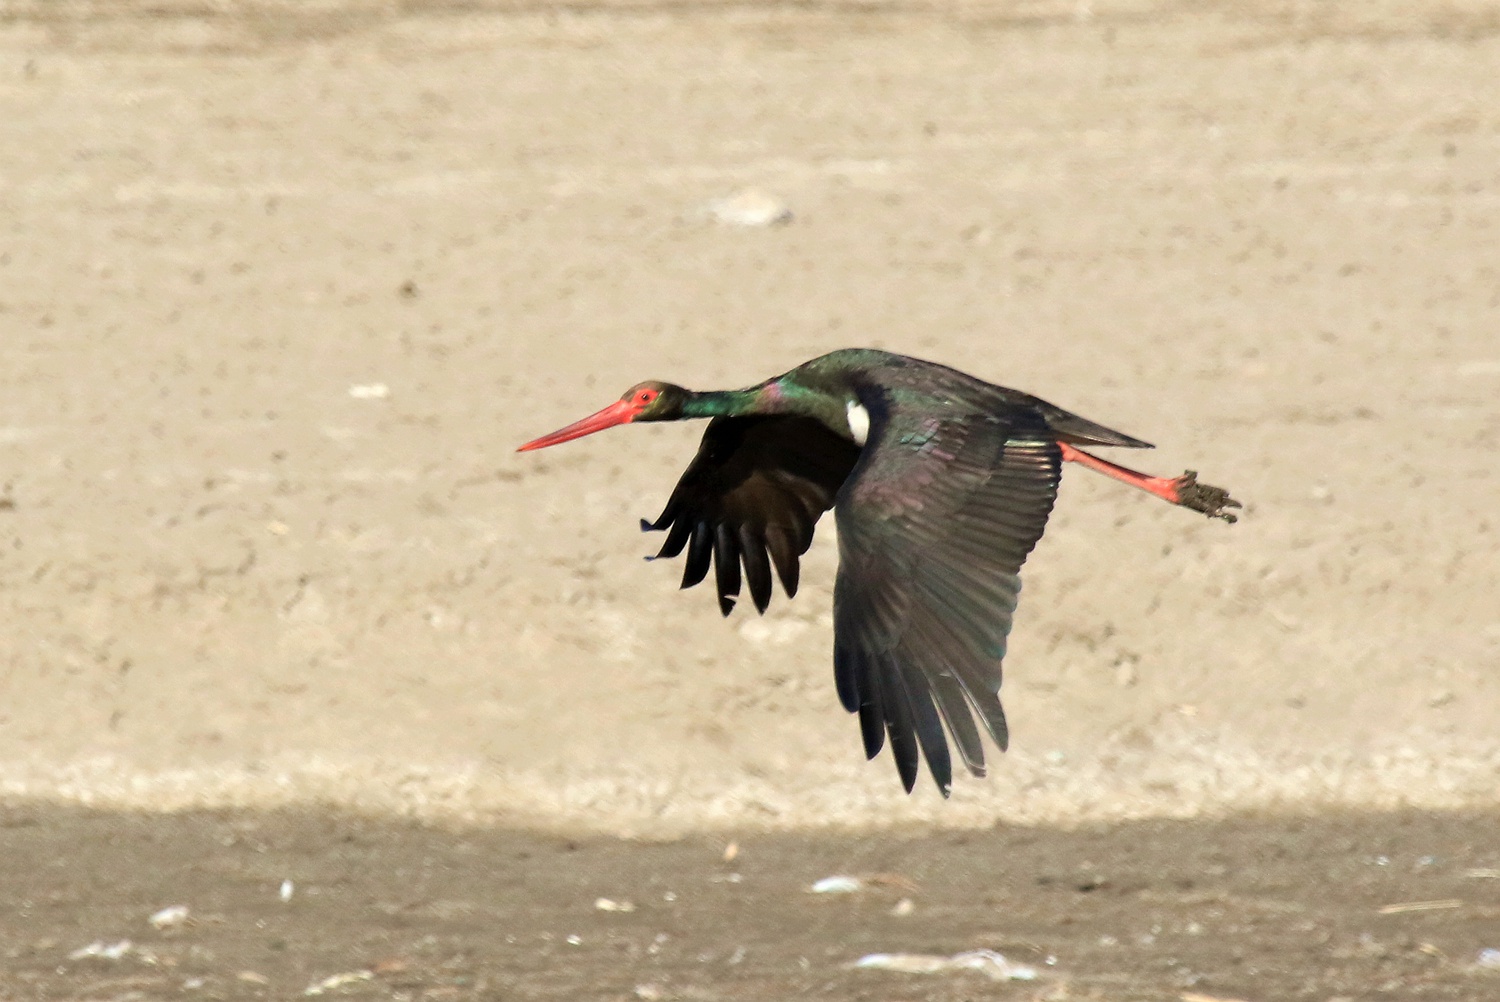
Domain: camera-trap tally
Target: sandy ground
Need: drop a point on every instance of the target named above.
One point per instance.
(282, 285)
(281, 291)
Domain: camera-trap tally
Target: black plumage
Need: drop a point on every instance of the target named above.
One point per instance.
(941, 485)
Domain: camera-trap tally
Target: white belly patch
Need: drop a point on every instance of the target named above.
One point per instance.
(859, 421)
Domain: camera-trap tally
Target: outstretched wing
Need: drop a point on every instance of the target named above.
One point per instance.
(758, 485)
(934, 524)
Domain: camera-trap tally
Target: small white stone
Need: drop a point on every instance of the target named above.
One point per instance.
(170, 918)
(104, 951)
(838, 884)
(611, 905)
(369, 391)
(333, 981)
(751, 207)
(987, 962)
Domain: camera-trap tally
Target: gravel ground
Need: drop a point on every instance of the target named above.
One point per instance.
(1343, 906)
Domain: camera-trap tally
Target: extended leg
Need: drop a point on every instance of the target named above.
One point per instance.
(1184, 490)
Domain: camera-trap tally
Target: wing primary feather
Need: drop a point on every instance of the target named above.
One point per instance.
(757, 567)
(954, 706)
(845, 677)
(700, 554)
(898, 722)
(663, 520)
(983, 695)
(929, 726)
(676, 539)
(959, 681)
(993, 716)
(871, 715)
(726, 567)
(784, 557)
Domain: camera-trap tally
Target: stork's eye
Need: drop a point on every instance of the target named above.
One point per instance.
(645, 396)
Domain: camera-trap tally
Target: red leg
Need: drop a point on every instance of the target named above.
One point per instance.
(1184, 490)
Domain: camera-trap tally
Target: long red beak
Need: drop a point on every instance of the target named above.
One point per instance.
(619, 412)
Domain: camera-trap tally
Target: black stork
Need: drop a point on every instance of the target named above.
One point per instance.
(940, 483)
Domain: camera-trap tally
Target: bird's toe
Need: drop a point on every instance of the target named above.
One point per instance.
(1212, 501)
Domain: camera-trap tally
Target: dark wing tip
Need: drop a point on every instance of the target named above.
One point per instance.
(871, 729)
(906, 762)
(903, 735)
(784, 557)
(726, 567)
(699, 557)
(757, 567)
(845, 677)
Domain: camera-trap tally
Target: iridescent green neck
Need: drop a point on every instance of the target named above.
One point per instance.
(775, 396)
(732, 403)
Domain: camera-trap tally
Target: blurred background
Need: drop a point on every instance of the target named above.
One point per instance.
(282, 286)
